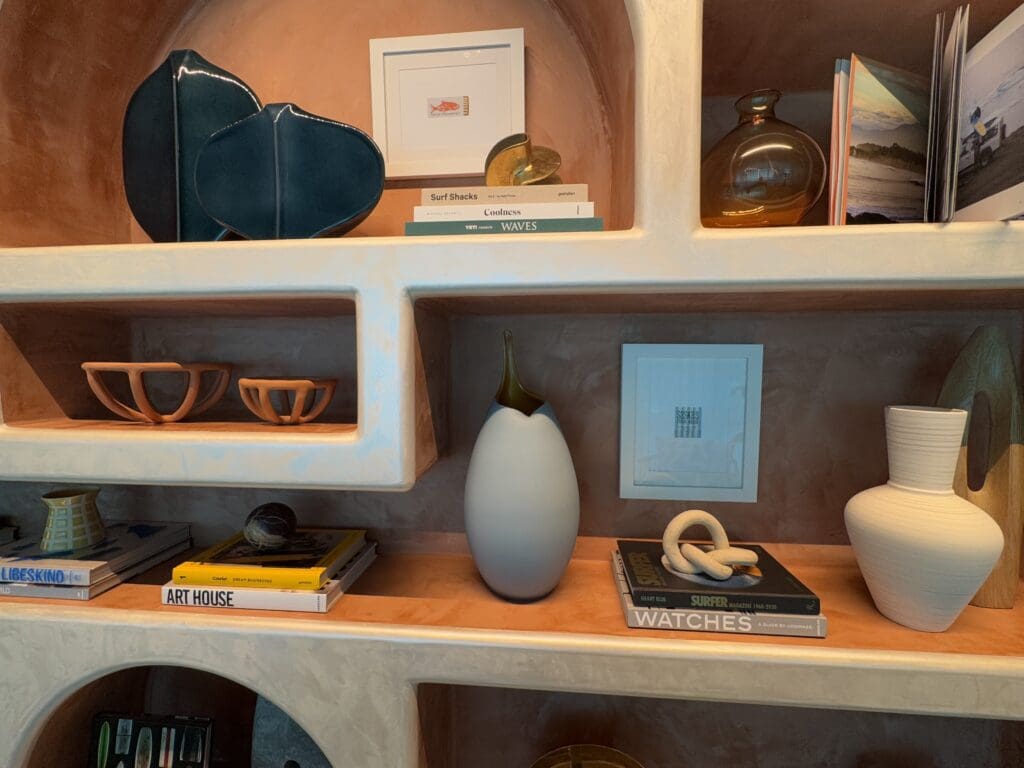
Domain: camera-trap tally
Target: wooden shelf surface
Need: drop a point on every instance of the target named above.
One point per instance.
(443, 590)
(248, 427)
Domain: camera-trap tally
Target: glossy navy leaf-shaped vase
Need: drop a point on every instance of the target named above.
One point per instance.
(286, 173)
(169, 118)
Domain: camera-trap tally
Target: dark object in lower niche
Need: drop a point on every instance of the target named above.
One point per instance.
(285, 173)
(586, 756)
(868, 217)
(169, 742)
(169, 118)
(280, 742)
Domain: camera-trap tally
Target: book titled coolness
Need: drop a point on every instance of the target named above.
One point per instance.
(305, 600)
(487, 211)
(305, 562)
(699, 620)
(764, 588)
(124, 544)
(59, 592)
(503, 226)
(531, 193)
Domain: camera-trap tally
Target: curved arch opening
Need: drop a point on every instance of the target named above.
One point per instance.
(247, 730)
(68, 71)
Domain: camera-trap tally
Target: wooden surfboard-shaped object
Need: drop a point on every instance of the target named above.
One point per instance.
(985, 367)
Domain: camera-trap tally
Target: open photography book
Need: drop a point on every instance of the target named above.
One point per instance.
(908, 148)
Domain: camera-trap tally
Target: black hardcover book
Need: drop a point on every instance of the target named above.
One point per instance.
(766, 587)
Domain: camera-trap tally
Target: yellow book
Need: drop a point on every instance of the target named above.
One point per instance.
(306, 562)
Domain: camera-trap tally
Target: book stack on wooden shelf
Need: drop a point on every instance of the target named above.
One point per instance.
(127, 549)
(307, 574)
(504, 210)
(765, 599)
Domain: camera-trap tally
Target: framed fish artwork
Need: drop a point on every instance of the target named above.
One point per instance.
(440, 102)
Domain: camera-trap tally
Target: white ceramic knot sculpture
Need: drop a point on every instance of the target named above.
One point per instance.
(683, 559)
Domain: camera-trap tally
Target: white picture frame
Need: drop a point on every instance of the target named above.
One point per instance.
(440, 102)
(690, 421)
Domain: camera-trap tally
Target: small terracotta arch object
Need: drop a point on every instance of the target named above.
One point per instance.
(294, 395)
(191, 404)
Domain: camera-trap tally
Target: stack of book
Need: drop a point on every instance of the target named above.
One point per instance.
(504, 210)
(308, 574)
(907, 147)
(128, 549)
(765, 599)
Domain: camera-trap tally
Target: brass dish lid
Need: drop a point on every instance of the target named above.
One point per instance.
(586, 756)
(514, 161)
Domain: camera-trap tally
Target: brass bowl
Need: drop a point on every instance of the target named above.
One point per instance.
(516, 161)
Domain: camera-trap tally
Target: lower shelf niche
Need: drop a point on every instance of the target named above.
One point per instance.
(464, 726)
(248, 731)
(42, 348)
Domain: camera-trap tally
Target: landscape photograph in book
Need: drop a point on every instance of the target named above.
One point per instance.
(992, 123)
(888, 137)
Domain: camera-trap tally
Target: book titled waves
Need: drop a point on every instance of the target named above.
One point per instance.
(504, 226)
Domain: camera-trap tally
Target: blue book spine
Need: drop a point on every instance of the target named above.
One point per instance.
(504, 226)
(72, 577)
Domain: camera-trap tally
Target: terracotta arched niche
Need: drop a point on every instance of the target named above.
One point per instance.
(64, 739)
(68, 69)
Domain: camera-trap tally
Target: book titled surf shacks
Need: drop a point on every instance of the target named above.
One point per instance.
(765, 588)
(306, 562)
(533, 193)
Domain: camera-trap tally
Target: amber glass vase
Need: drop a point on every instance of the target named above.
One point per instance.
(764, 173)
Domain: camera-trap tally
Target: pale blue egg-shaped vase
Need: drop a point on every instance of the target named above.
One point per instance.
(522, 502)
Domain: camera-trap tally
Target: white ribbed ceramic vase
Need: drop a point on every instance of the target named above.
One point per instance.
(923, 550)
(522, 502)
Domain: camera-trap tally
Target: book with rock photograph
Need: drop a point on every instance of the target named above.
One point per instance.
(886, 137)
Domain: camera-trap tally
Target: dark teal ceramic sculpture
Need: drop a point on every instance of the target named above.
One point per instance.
(285, 173)
(169, 118)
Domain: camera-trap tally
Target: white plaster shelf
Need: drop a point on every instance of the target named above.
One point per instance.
(427, 618)
(665, 253)
(775, 270)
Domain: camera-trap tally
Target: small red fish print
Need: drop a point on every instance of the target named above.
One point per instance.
(444, 106)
